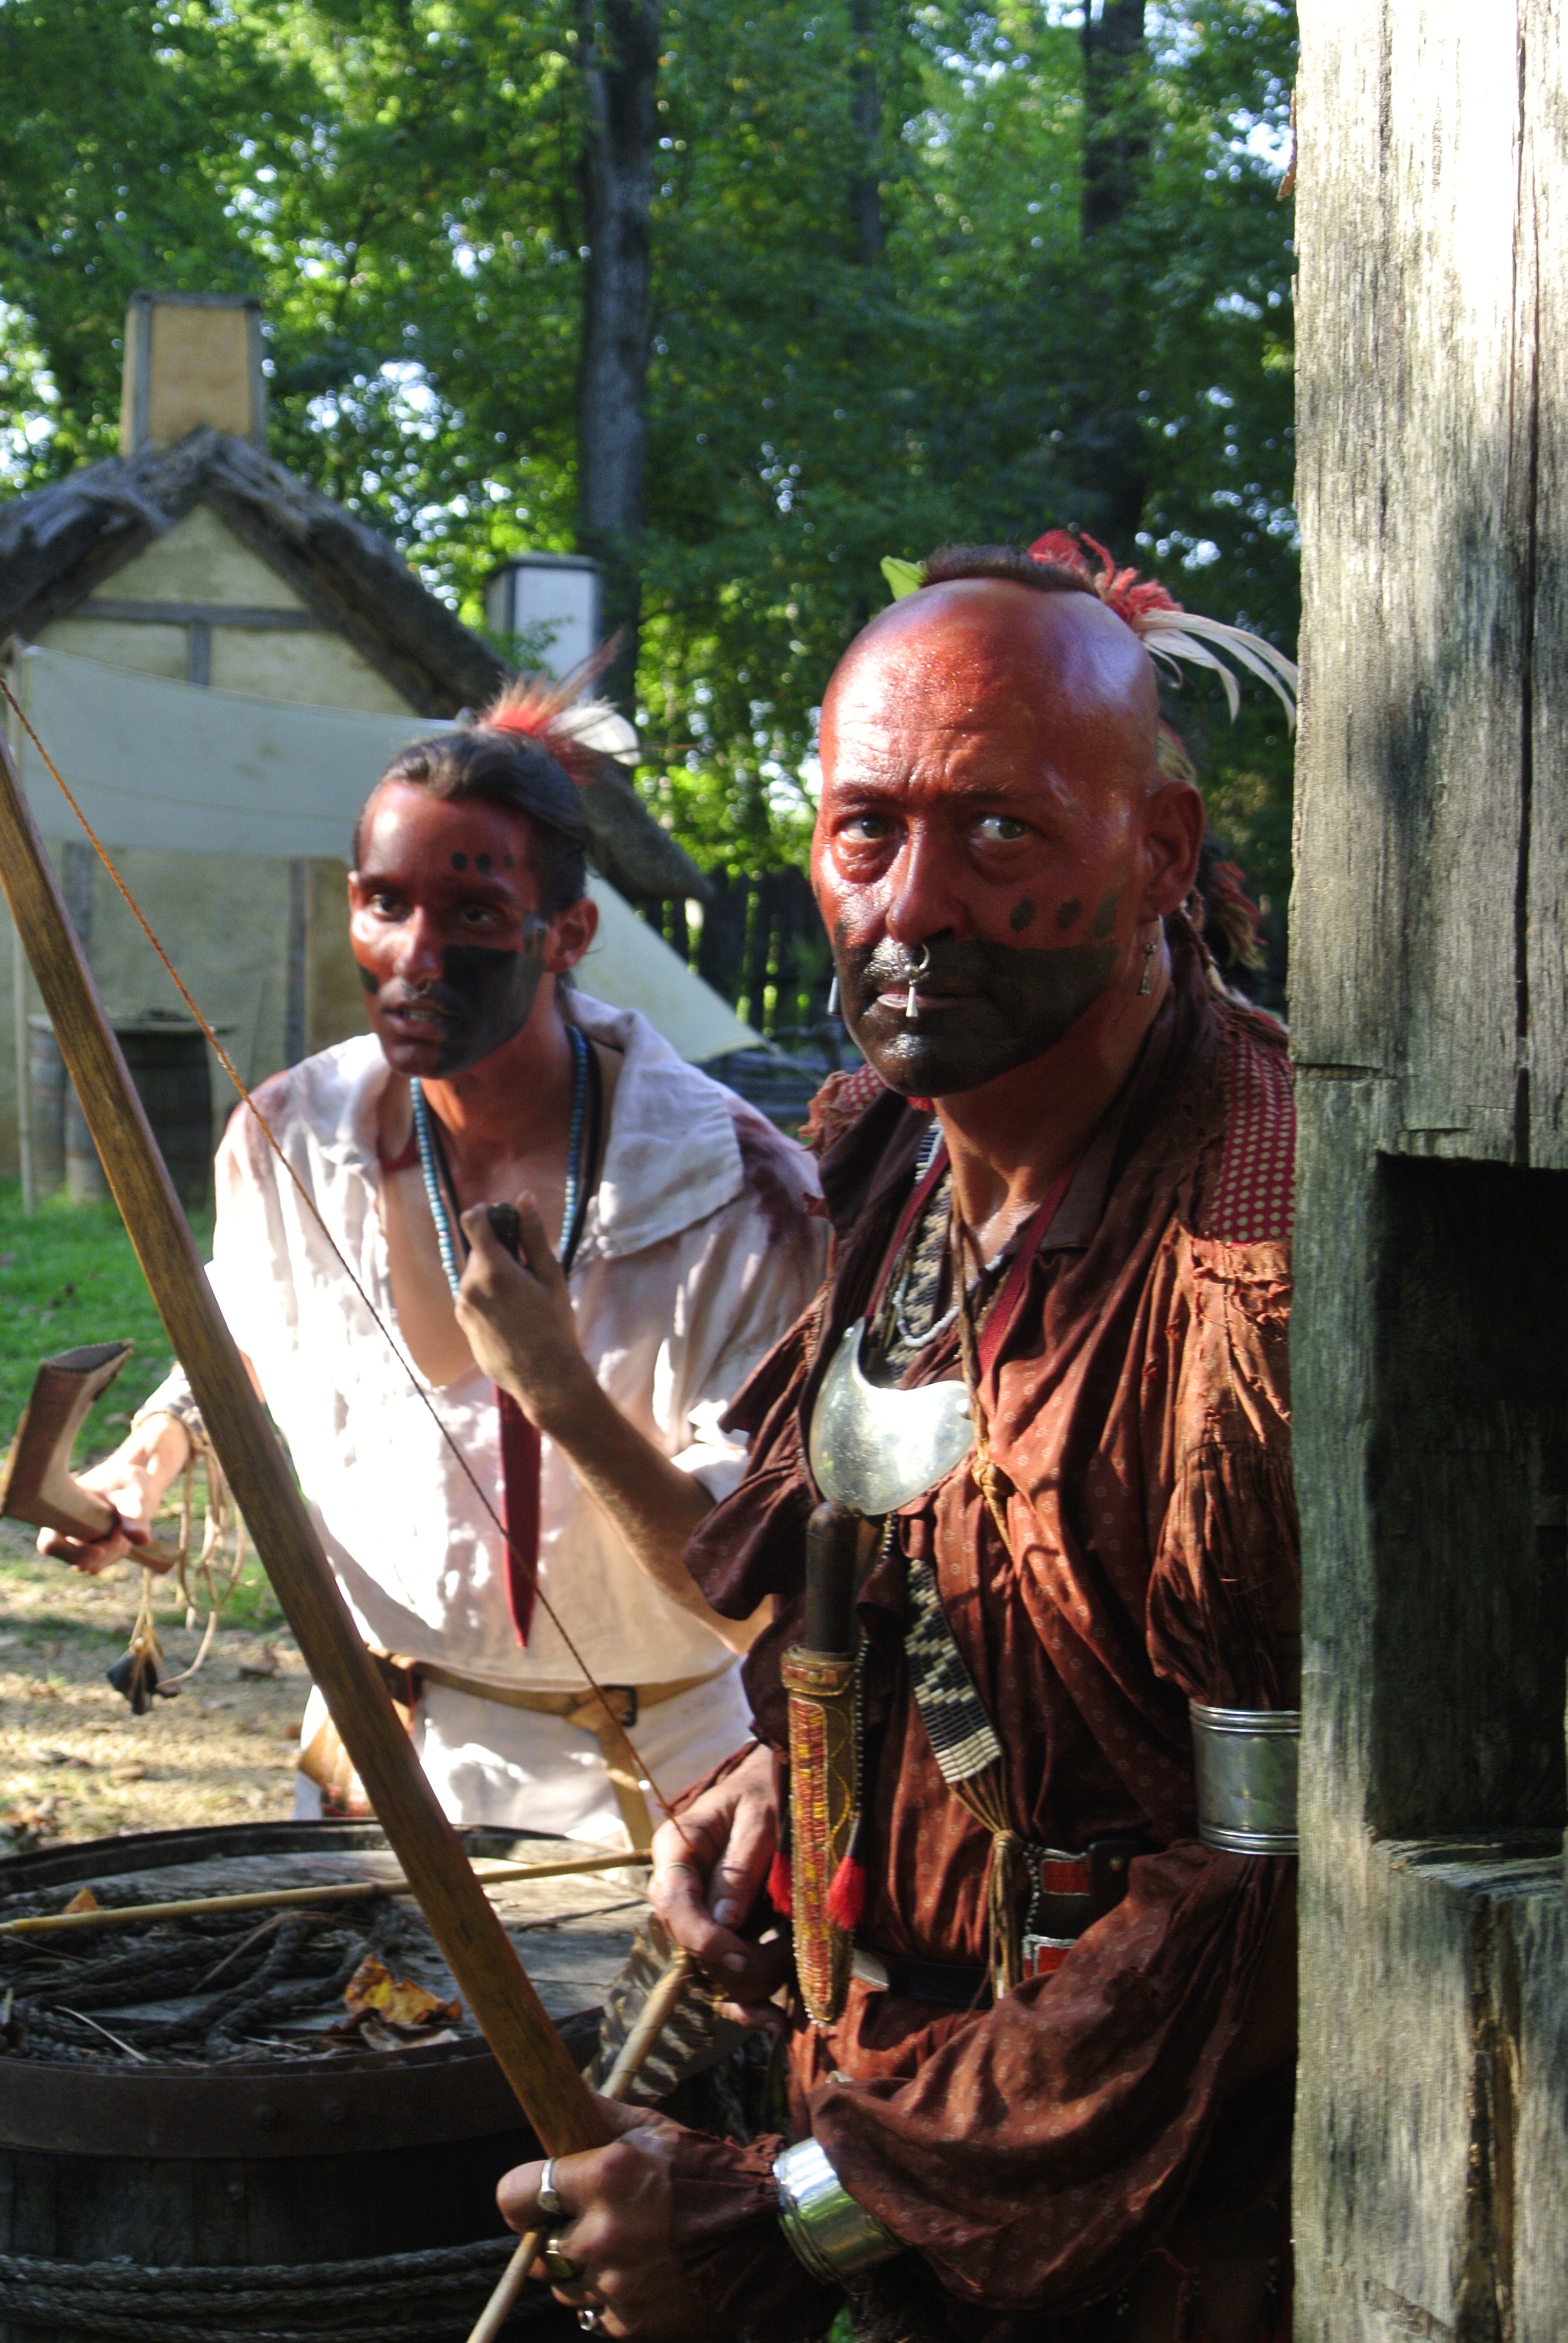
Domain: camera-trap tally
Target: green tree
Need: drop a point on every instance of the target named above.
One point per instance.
(919, 271)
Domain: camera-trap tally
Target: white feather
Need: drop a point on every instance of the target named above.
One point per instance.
(1169, 634)
(600, 727)
(1172, 648)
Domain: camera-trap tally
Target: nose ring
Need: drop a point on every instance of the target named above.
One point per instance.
(916, 965)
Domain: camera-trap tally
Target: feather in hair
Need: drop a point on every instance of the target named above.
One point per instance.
(579, 733)
(1167, 632)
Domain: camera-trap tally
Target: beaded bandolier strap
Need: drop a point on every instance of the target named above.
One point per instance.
(935, 1281)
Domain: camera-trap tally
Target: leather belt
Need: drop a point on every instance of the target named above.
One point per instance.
(606, 1712)
(1071, 1891)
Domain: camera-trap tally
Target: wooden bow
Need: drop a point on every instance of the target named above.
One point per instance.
(480, 1954)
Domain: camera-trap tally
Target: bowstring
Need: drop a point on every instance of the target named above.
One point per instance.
(226, 1062)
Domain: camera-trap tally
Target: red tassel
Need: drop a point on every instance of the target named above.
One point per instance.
(847, 1896)
(781, 1885)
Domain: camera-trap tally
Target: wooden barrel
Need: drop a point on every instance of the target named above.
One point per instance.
(167, 1058)
(346, 2192)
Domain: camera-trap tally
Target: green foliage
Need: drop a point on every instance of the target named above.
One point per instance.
(69, 1276)
(398, 179)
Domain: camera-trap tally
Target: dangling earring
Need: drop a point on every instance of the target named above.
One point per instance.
(833, 996)
(1149, 949)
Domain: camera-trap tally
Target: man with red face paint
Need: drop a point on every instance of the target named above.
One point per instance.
(575, 1395)
(1040, 2043)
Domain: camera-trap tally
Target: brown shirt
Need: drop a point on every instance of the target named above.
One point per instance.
(1035, 2152)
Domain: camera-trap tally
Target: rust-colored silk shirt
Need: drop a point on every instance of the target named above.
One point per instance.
(1035, 2152)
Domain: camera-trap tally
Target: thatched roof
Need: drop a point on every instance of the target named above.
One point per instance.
(59, 543)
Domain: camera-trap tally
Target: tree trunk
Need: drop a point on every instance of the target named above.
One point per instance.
(1108, 441)
(1115, 125)
(620, 67)
(866, 138)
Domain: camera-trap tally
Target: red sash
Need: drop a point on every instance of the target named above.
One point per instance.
(519, 1510)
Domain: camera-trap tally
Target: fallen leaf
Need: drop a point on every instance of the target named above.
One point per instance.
(369, 2034)
(374, 1991)
(83, 1900)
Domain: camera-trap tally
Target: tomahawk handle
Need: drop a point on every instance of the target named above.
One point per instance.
(832, 1549)
(482, 1959)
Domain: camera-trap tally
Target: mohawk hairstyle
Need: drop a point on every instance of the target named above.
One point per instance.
(1056, 563)
(950, 563)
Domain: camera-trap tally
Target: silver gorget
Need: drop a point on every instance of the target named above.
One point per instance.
(875, 1449)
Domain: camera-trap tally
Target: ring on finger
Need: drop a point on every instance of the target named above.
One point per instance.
(563, 2270)
(548, 2199)
(589, 2320)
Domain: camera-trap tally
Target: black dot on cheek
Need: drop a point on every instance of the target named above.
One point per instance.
(510, 862)
(459, 861)
(1021, 916)
(481, 861)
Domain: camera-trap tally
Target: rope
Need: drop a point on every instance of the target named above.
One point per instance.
(226, 1062)
(393, 2297)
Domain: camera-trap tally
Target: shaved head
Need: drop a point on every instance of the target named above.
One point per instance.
(1085, 681)
(995, 845)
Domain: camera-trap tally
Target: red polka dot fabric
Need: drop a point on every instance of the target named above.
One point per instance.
(1254, 1192)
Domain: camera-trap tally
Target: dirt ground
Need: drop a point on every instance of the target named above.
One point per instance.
(75, 1764)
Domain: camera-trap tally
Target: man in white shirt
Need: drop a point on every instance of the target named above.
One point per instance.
(578, 1404)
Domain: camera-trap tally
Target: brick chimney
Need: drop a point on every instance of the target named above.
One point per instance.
(191, 358)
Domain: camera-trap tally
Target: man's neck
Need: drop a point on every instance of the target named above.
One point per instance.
(514, 1104)
(1010, 1138)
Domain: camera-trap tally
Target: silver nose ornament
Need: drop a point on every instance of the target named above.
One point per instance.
(917, 965)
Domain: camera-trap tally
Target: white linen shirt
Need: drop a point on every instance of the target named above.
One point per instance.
(698, 1252)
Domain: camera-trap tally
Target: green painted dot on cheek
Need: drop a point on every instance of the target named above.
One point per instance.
(1069, 914)
(1105, 917)
(1021, 916)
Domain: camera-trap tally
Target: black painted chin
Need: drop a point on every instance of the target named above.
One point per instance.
(1004, 1006)
(484, 997)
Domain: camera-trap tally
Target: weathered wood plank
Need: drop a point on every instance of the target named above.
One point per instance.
(1544, 397)
(1414, 514)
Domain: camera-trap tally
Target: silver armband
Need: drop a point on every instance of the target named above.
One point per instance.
(832, 2235)
(1246, 1766)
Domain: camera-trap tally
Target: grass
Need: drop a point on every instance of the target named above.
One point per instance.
(69, 1276)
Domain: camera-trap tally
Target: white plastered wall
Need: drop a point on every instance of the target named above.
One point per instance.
(224, 920)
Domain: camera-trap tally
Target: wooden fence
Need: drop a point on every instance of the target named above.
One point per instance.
(760, 944)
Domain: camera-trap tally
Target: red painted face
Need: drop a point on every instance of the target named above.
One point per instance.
(986, 816)
(446, 925)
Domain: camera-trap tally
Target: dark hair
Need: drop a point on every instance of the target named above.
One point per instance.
(506, 770)
(950, 563)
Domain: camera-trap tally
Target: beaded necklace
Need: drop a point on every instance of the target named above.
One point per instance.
(575, 1199)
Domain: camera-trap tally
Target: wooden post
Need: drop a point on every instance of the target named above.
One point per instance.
(1429, 1017)
(479, 1952)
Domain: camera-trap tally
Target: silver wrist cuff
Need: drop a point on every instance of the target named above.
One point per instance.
(832, 2235)
(1246, 1766)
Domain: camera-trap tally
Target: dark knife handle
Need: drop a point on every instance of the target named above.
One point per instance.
(506, 1228)
(832, 1543)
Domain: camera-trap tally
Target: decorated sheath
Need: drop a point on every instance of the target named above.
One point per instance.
(819, 1677)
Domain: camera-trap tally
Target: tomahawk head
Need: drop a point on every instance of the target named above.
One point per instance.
(37, 1484)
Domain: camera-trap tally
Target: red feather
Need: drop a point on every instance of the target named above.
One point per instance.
(781, 1885)
(1120, 590)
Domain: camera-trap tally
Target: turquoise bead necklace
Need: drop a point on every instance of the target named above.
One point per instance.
(572, 1209)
